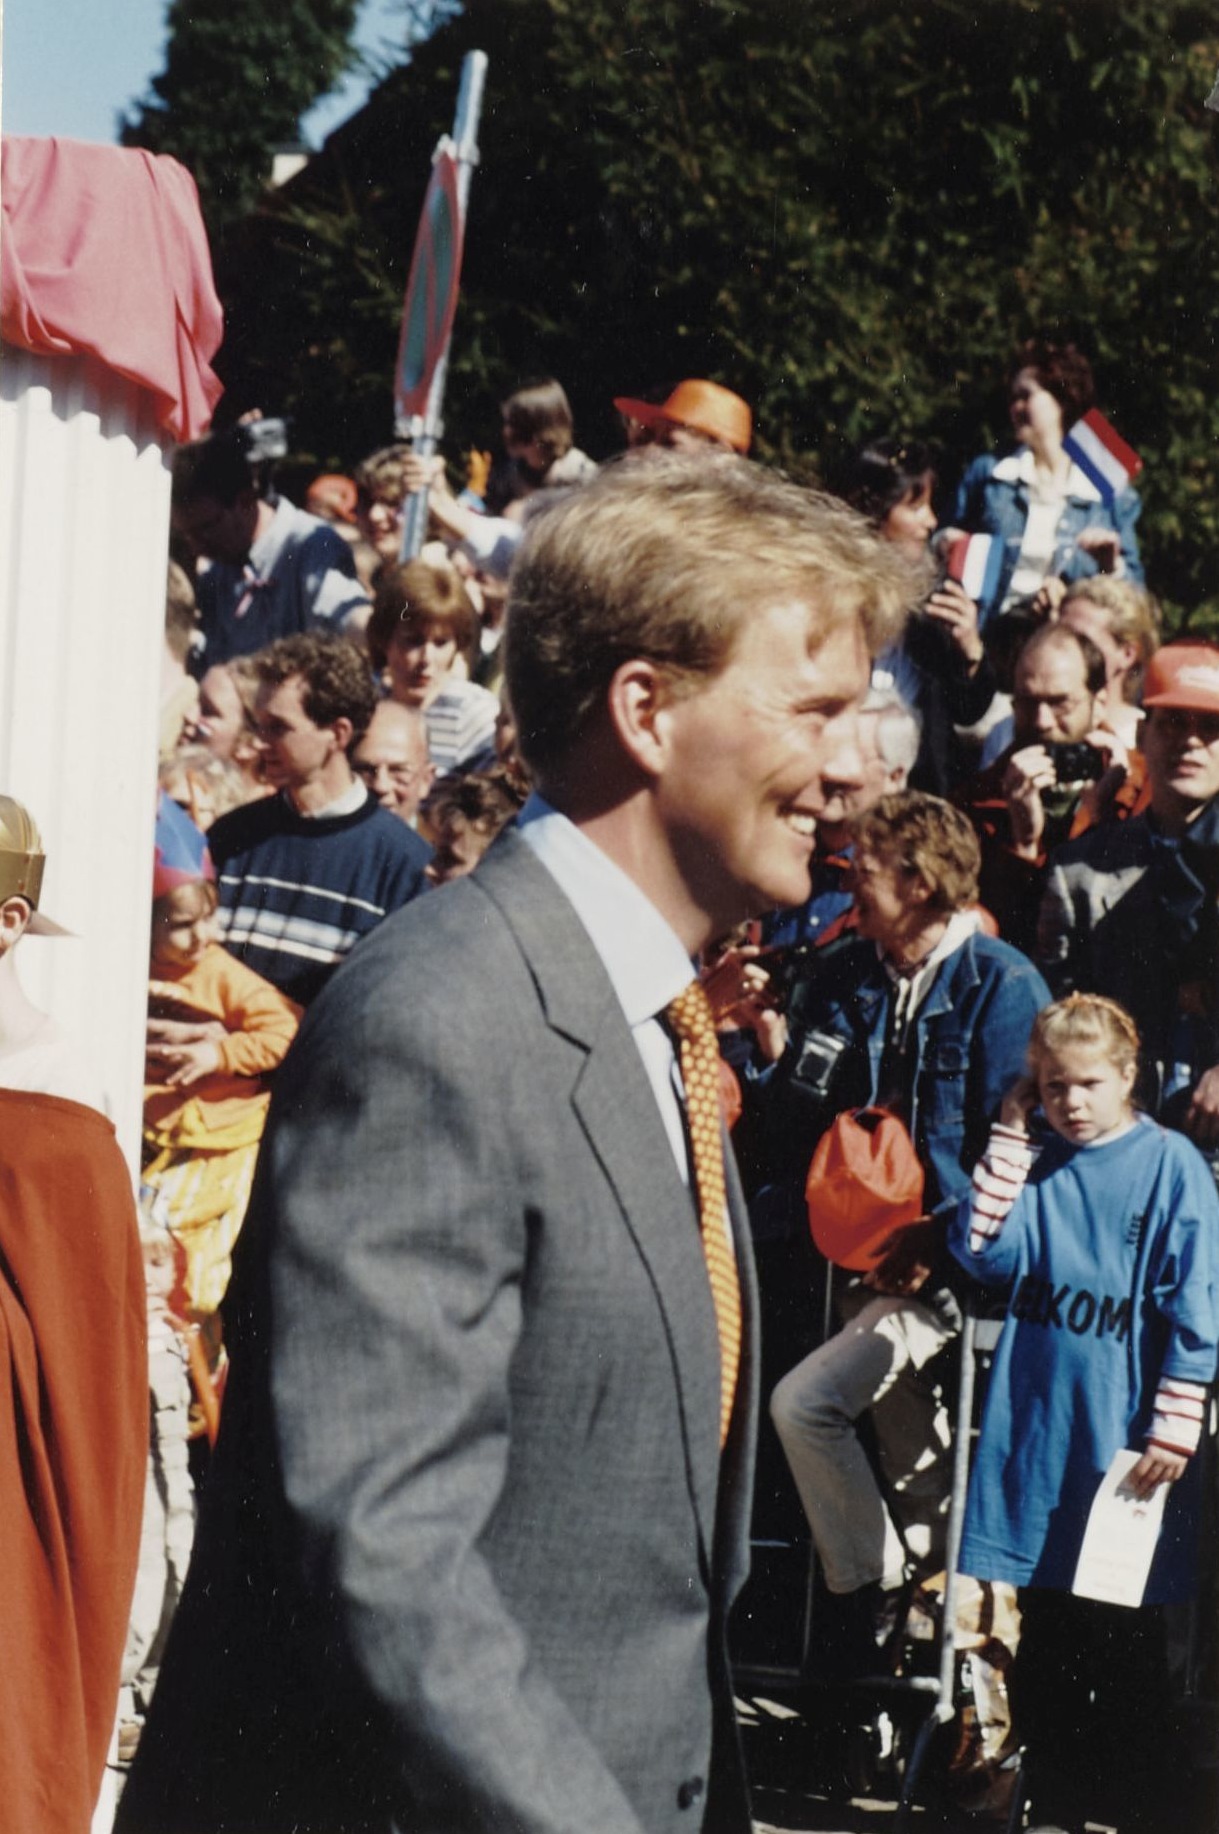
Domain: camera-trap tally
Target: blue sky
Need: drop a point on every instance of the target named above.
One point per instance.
(72, 66)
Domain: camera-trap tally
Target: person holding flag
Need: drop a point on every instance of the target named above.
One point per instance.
(1060, 506)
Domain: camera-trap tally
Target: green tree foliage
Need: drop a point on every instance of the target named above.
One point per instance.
(237, 79)
(847, 211)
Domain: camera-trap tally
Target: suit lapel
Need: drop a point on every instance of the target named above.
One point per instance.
(614, 1104)
(737, 1461)
(618, 1112)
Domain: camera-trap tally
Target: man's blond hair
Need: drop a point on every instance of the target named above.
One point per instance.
(663, 557)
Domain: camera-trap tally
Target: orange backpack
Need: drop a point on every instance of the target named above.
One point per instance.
(864, 1183)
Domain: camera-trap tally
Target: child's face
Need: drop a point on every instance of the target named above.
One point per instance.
(1084, 1094)
(183, 926)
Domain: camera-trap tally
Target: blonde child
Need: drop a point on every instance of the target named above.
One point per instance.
(215, 1030)
(1105, 1226)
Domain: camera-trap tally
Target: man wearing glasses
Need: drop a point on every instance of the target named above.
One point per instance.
(1063, 771)
(392, 759)
(1131, 909)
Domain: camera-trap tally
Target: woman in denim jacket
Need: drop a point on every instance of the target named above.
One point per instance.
(1052, 520)
(931, 1018)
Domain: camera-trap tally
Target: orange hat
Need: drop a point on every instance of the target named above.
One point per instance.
(332, 492)
(704, 407)
(1183, 675)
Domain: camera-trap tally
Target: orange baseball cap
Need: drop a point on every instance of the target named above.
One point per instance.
(1183, 675)
(703, 407)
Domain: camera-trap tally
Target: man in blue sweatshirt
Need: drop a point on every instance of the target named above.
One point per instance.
(305, 873)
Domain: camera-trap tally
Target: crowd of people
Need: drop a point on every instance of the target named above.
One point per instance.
(914, 779)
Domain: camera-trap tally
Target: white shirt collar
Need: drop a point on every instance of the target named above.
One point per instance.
(1019, 468)
(346, 804)
(640, 951)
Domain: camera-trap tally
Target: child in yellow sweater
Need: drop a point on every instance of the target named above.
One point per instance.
(215, 1029)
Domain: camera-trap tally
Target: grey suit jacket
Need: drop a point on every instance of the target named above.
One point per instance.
(470, 1543)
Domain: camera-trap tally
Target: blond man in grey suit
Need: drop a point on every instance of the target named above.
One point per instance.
(481, 1496)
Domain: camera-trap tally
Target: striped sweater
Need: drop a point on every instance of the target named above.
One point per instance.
(297, 892)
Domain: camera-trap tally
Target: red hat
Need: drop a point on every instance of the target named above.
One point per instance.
(1183, 675)
(703, 407)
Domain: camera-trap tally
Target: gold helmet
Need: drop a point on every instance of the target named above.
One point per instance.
(21, 863)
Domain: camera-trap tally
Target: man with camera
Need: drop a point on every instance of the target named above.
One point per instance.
(275, 571)
(1131, 909)
(1062, 772)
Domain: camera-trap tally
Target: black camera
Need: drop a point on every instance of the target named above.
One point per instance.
(816, 1063)
(1076, 761)
(787, 965)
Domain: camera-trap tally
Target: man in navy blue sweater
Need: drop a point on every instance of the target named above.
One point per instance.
(304, 874)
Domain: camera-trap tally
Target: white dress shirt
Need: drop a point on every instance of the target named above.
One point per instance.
(641, 953)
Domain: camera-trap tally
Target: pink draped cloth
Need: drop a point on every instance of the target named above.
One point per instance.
(103, 253)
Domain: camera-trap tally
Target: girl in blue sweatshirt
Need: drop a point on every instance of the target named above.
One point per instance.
(1105, 1229)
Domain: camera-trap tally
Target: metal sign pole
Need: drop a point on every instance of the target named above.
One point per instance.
(424, 430)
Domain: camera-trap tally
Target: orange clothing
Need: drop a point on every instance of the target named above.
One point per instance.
(229, 1107)
(73, 1449)
(201, 1143)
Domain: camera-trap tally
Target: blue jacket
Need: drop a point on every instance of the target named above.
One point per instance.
(993, 499)
(971, 1033)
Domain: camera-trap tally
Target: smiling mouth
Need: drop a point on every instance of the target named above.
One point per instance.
(801, 822)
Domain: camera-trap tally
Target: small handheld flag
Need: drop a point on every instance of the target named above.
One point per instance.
(974, 561)
(1102, 454)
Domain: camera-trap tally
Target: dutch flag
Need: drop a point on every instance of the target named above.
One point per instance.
(974, 561)
(1102, 454)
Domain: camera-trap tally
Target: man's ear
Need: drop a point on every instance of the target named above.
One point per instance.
(343, 731)
(638, 697)
(15, 914)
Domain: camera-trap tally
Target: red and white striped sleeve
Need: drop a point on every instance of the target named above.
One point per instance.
(998, 1180)
(1180, 1410)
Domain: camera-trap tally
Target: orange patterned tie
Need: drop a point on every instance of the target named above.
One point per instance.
(689, 1015)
